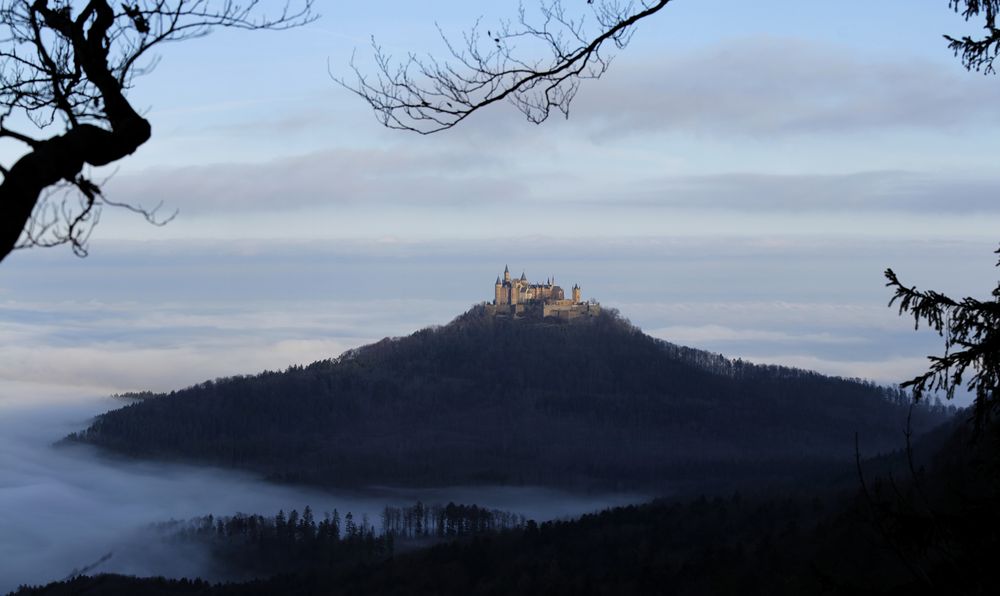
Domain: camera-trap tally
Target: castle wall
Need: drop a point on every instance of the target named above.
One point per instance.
(570, 311)
(518, 297)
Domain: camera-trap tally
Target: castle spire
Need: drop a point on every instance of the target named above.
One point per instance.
(519, 298)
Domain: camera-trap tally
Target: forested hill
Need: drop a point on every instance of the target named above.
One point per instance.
(484, 400)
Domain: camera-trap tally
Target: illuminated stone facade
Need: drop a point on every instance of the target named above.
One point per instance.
(519, 297)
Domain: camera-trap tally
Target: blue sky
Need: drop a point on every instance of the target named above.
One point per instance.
(737, 181)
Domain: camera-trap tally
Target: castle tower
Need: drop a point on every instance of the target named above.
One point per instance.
(517, 297)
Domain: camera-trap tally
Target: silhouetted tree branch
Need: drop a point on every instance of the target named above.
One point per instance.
(535, 62)
(68, 65)
(971, 331)
(977, 53)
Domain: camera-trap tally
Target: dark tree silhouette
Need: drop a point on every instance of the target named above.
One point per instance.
(67, 65)
(977, 53)
(971, 331)
(535, 62)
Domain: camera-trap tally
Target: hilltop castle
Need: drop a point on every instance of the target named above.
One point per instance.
(518, 297)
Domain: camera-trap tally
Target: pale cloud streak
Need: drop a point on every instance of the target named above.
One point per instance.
(101, 348)
(341, 177)
(465, 188)
(861, 192)
(770, 86)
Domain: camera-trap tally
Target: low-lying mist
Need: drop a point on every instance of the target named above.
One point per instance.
(64, 509)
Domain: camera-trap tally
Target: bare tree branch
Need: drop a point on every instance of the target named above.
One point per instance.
(69, 64)
(426, 95)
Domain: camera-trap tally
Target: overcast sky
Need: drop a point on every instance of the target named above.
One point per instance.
(737, 181)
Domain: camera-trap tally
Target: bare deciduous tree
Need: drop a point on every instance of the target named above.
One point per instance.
(536, 62)
(68, 65)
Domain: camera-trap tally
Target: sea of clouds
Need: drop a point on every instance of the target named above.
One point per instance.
(142, 316)
(64, 509)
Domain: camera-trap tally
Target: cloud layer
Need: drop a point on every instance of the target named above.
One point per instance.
(181, 317)
(771, 125)
(332, 181)
(62, 509)
(774, 87)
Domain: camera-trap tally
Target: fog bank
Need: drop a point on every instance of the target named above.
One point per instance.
(65, 508)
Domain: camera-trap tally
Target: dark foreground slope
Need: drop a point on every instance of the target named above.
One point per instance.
(932, 531)
(484, 400)
(935, 532)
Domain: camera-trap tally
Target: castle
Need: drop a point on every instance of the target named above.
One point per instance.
(518, 297)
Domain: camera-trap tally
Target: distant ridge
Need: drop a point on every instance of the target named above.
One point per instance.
(591, 402)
